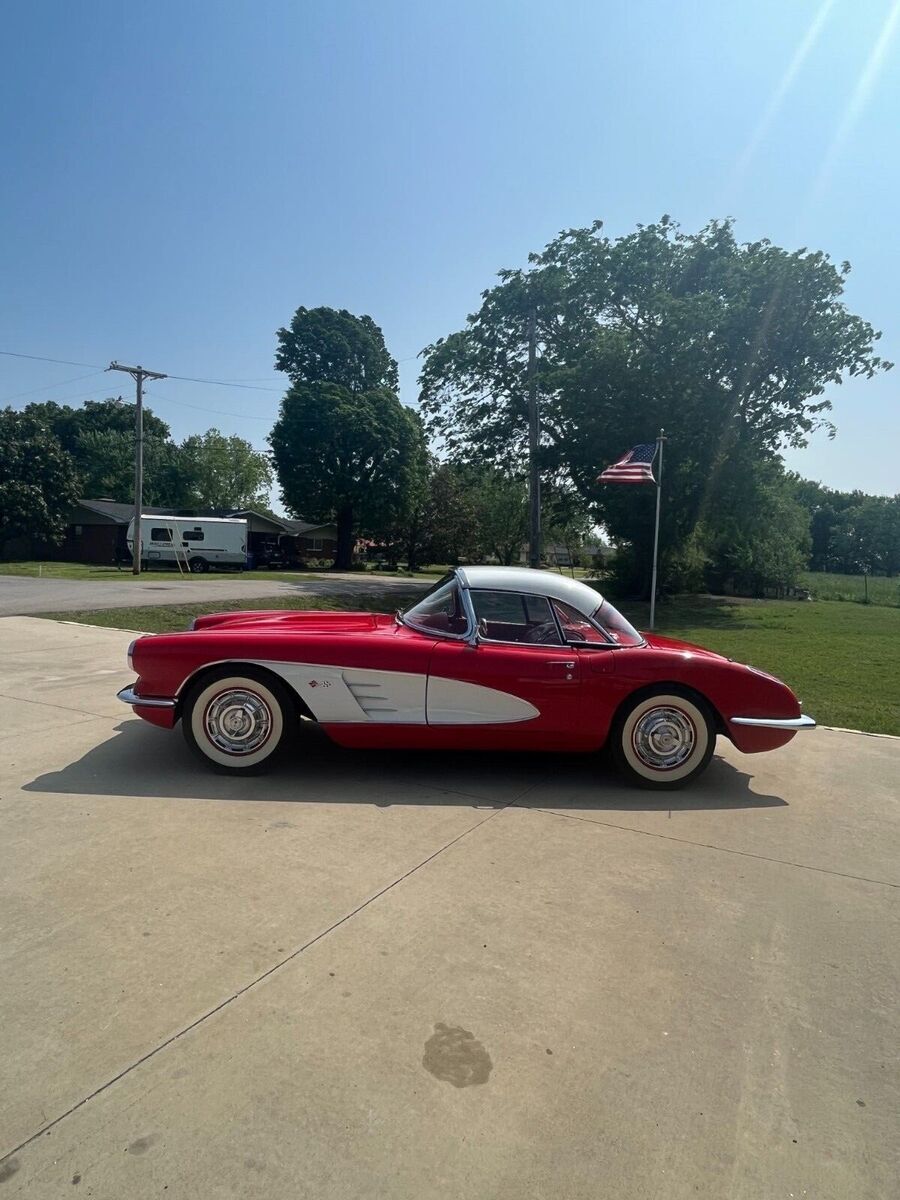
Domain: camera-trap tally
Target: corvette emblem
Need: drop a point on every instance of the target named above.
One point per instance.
(320, 683)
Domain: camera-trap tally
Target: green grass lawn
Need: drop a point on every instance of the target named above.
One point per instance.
(98, 574)
(62, 570)
(72, 570)
(842, 660)
(175, 617)
(824, 585)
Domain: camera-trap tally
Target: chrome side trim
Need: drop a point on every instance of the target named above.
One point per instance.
(802, 722)
(129, 696)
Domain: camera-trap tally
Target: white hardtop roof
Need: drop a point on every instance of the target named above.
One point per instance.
(163, 519)
(536, 583)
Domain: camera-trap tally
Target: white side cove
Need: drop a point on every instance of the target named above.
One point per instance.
(451, 702)
(341, 695)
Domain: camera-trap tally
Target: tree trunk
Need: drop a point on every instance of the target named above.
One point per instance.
(344, 558)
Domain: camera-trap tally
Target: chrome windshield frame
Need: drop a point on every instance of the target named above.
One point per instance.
(470, 633)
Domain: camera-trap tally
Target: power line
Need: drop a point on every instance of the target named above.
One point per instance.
(227, 383)
(219, 412)
(47, 386)
(65, 362)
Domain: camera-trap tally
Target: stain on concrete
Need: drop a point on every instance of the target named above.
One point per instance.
(141, 1145)
(8, 1168)
(76, 1178)
(454, 1055)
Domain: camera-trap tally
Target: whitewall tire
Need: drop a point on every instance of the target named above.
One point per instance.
(664, 740)
(236, 722)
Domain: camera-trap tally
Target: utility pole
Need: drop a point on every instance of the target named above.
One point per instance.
(534, 435)
(138, 374)
(660, 441)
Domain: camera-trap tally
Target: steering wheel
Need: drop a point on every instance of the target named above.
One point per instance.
(547, 632)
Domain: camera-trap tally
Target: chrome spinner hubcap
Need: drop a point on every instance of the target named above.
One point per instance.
(238, 721)
(664, 738)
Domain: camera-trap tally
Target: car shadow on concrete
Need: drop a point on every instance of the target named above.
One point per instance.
(146, 762)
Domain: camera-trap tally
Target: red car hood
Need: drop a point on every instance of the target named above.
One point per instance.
(657, 642)
(289, 620)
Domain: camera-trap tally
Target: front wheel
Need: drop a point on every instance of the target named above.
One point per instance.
(198, 566)
(664, 740)
(237, 723)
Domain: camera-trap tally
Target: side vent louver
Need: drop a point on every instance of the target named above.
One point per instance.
(369, 695)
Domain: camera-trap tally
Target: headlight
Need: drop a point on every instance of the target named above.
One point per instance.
(130, 655)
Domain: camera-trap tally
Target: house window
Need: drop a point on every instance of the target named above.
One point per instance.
(160, 535)
(78, 530)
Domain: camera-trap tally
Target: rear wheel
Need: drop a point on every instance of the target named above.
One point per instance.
(199, 565)
(237, 723)
(664, 740)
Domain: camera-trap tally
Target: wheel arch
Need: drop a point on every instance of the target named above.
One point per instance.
(674, 686)
(253, 671)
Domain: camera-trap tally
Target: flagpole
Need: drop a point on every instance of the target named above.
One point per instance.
(659, 444)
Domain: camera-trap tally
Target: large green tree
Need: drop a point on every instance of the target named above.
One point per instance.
(38, 483)
(100, 438)
(728, 346)
(344, 447)
(223, 472)
(866, 536)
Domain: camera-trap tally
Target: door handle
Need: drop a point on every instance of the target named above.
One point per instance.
(563, 666)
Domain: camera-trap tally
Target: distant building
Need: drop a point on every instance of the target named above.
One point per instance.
(95, 533)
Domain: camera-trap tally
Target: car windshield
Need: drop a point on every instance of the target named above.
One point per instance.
(611, 621)
(439, 611)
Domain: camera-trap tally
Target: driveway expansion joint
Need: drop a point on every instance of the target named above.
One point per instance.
(163, 1045)
(667, 837)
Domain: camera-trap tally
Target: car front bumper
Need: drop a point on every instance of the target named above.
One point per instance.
(129, 696)
(789, 725)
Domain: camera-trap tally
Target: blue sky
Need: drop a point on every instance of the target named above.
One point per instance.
(179, 177)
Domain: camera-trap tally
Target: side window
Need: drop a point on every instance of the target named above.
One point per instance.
(192, 535)
(575, 626)
(160, 535)
(515, 617)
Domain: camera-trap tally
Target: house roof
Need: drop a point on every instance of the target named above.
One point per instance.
(121, 514)
(268, 518)
(293, 526)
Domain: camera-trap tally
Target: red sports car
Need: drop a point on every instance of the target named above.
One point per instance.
(491, 658)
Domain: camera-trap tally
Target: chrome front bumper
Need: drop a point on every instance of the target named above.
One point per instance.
(129, 696)
(802, 722)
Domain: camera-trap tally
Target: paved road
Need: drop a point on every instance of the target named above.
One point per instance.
(434, 975)
(21, 596)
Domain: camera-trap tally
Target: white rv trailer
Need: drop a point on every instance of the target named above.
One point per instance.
(191, 543)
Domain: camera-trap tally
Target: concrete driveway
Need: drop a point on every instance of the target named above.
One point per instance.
(21, 595)
(376, 975)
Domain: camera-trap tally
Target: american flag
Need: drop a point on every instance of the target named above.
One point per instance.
(634, 467)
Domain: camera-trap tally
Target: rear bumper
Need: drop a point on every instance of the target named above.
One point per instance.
(790, 725)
